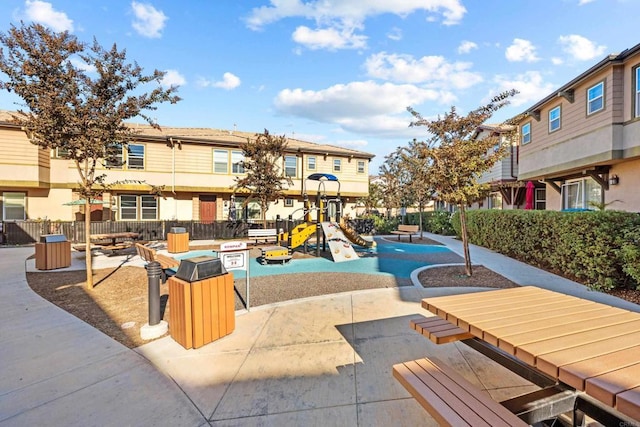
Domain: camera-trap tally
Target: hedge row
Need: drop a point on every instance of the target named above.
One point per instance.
(438, 222)
(600, 249)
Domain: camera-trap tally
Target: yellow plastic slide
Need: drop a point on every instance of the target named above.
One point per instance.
(301, 233)
(354, 237)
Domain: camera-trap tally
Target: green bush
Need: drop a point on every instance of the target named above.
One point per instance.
(438, 222)
(600, 249)
(383, 225)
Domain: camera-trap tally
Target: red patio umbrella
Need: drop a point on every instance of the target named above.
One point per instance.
(529, 195)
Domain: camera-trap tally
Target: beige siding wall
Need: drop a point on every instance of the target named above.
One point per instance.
(625, 196)
(23, 163)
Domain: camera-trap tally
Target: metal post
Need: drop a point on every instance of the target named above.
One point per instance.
(154, 272)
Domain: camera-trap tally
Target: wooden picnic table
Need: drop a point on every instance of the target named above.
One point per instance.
(590, 347)
(114, 237)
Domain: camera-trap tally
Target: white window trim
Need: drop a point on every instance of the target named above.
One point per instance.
(139, 209)
(4, 205)
(337, 165)
(144, 152)
(315, 163)
(523, 133)
(226, 172)
(295, 166)
(364, 166)
(637, 94)
(590, 101)
(558, 119)
(239, 156)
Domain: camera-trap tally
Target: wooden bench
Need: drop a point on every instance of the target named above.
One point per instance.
(406, 230)
(439, 330)
(450, 399)
(167, 263)
(262, 234)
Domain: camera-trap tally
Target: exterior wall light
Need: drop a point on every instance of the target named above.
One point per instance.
(614, 180)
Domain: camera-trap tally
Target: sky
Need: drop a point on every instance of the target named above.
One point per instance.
(343, 72)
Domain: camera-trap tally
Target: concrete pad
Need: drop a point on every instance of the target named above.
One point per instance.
(41, 319)
(334, 416)
(138, 396)
(204, 377)
(60, 350)
(291, 378)
(398, 413)
(309, 321)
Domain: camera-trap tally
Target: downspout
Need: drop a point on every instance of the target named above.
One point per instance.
(173, 177)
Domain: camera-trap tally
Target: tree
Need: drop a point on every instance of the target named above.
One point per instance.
(392, 183)
(457, 159)
(417, 187)
(265, 178)
(78, 109)
(373, 198)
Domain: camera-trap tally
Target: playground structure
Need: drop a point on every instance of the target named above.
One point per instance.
(328, 227)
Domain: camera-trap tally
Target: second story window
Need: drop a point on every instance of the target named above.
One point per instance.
(311, 163)
(236, 162)
(595, 98)
(637, 91)
(554, 119)
(290, 166)
(135, 156)
(220, 161)
(526, 133)
(361, 166)
(337, 165)
(114, 157)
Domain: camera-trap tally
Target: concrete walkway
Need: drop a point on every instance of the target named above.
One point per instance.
(319, 361)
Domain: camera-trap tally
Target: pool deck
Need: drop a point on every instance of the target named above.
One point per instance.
(318, 361)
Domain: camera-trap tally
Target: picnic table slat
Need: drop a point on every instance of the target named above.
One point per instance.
(451, 302)
(528, 352)
(605, 387)
(628, 402)
(550, 362)
(576, 374)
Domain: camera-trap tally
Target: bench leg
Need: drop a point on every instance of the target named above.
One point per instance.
(409, 238)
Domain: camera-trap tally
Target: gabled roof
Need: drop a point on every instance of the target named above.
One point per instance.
(218, 137)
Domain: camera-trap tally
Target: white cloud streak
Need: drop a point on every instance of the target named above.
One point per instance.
(43, 13)
(580, 48)
(467, 46)
(229, 81)
(149, 21)
(173, 78)
(521, 51)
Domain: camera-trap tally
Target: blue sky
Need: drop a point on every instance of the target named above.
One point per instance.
(342, 72)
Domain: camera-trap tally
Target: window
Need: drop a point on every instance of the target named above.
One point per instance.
(220, 161)
(236, 162)
(540, 199)
(595, 98)
(311, 163)
(580, 194)
(288, 202)
(526, 133)
(495, 201)
(114, 157)
(135, 156)
(290, 166)
(13, 208)
(337, 165)
(138, 207)
(361, 166)
(60, 153)
(637, 90)
(554, 119)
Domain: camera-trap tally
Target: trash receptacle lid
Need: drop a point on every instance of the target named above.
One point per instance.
(200, 268)
(52, 238)
(177, 230)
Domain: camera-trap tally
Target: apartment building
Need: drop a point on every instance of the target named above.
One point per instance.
(583, 140)
(196, 166)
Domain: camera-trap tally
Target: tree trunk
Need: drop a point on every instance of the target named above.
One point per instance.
(420, 210)
(465, 241)
(87, 234)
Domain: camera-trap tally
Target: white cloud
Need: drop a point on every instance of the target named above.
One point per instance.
(328, 38)
(467, 46)
(395, 34)
(583, 2)
(336, 20)
(521, 50)
(149, 21)
(173, 78)
(43, 13)
(229, 81)
(363, 107)
(81, 65)
(531, 86)
(431, 70)
(580, 48)
(557, 61)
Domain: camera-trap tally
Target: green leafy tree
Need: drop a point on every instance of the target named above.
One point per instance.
(265, 177)
(456, 159)
(78, 109)
(373, 198)
(392, 176)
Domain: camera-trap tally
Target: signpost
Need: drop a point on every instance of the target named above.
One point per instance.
(235, 256)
